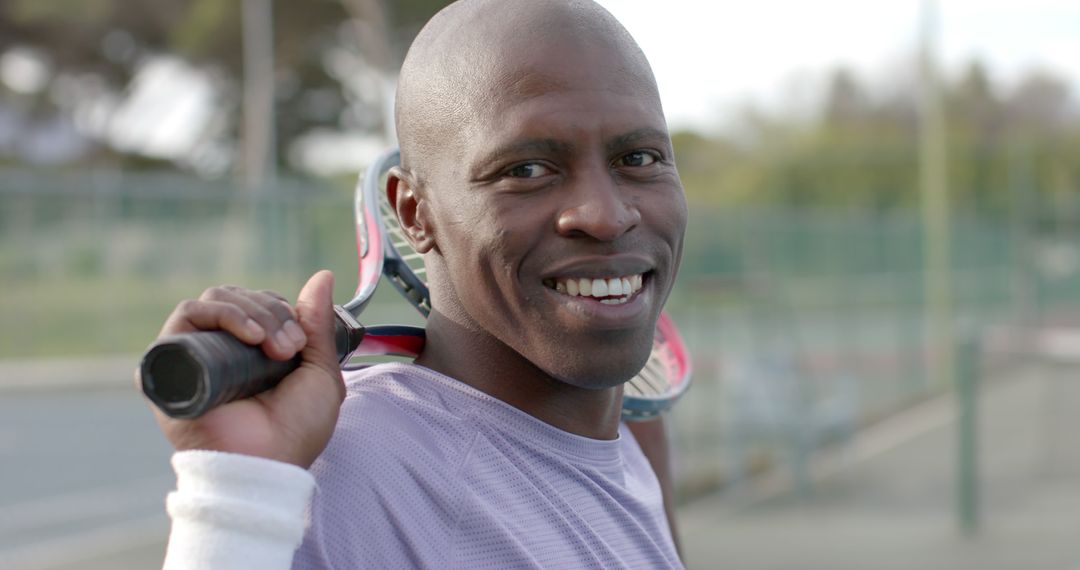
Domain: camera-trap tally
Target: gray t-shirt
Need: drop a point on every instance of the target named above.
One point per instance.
(424, 471)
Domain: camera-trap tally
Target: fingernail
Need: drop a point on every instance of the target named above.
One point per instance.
(252, 328)
(284, 341)
(295, 333)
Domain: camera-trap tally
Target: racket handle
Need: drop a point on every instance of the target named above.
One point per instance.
(189, 374)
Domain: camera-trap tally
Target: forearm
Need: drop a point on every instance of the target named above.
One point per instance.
(235, 511)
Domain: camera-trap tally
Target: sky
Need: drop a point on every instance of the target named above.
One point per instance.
(711, 56)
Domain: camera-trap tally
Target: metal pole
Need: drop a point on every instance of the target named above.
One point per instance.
(371, 26)
(935, 212)
(1022, 274)
(967, 472)
(259, 167)
(259, 156)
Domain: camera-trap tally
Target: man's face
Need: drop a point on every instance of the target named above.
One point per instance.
(559, 215)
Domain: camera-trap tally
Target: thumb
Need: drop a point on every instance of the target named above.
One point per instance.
(315, 310)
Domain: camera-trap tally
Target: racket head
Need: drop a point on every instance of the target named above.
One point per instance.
(663, 380)
(369, 233)
(665, 377)
(402, 265)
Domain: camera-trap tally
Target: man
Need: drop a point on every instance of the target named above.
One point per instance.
(535, 165)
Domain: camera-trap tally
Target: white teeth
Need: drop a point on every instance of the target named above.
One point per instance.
(620, 287)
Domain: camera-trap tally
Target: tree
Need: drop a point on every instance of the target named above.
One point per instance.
(106, 42)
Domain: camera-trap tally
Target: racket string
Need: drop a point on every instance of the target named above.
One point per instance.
(653, 380)
(660, 382)
(412, 259)
(397, 237)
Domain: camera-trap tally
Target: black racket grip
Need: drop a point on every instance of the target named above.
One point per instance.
(187, 375)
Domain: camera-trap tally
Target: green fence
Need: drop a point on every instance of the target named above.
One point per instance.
(804, 323)
(807, 324)
(92, 264)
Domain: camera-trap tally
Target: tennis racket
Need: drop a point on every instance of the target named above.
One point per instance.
(189, 374)
(666, 375)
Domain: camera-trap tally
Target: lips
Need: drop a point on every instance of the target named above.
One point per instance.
(609, 290)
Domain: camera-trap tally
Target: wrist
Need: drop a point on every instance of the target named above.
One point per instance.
(228, 487)
(232, 510)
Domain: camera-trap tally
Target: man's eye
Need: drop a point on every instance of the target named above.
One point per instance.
(638, 158)
(528, 170)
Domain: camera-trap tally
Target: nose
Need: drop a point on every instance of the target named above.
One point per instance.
(597, 207)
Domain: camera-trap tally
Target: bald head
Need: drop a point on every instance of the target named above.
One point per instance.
(474, 54)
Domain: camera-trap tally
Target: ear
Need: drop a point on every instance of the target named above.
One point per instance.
(412, 210)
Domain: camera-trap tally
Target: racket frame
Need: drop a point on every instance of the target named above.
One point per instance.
(669, 353)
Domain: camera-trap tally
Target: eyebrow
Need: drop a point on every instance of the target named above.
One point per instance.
(533, 145)
(525, 146)
(556, 146)
(635, 137)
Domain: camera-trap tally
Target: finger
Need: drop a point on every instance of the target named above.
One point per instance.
(306, 403)
(283, 308)
(315, 308)
(320, 361)
(276, 295)
(192, 316)
(284, 337)
(275, 302)
(290, 337)
(267, 304)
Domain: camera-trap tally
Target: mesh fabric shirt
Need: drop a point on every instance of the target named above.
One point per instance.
(424, 471)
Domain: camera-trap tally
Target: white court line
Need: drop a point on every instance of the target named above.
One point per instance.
(82, 505)
(76, 548)
(868, 443)
(893, 432)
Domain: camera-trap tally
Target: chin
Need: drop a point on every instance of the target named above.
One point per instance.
(598, 369)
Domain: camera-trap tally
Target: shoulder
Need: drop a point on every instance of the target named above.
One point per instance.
(401, 413)
(385, 483)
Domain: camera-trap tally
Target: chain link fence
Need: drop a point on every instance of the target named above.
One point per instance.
(804, 323)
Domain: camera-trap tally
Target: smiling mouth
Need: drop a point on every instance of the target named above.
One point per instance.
(609, 291)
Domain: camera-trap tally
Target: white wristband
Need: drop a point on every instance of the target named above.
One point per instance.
(235, 511)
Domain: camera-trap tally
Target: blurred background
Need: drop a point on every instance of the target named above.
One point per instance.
(880, 288)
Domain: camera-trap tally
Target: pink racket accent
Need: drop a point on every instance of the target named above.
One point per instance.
(668, 340)
(665, 377)
(369, 266)
(375, 344)
(384, 250)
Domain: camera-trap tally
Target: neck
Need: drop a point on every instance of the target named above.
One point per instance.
(485, 363)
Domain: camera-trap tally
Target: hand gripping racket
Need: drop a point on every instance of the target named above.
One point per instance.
(197, 371)
(188, 374)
